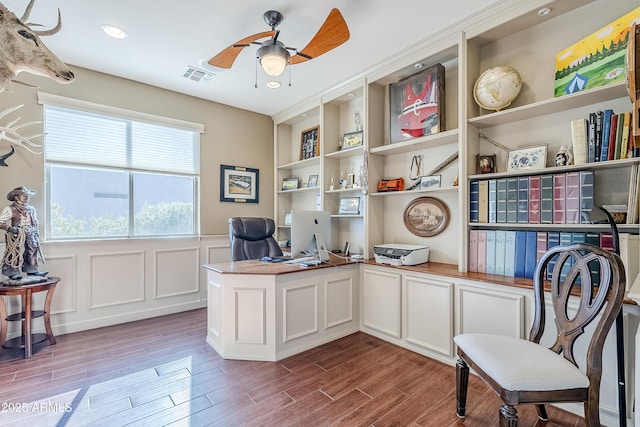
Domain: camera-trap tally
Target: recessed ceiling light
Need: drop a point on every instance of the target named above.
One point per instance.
(115, 32)
(351, 95)
(544, 11)
(273, 84)
(418, 66)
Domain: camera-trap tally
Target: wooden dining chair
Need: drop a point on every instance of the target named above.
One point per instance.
(524, 371)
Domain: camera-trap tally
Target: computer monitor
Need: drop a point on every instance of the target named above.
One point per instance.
(304, 226)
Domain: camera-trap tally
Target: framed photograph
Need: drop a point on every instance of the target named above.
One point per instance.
(238, 184)
(310, 143)
(290, 183)
(426, 216)
(431, 181)
(527, 158)
(313, 181)
(349, 206)
(417, 105)
(485, 164)
(287, 218)
(352, 139)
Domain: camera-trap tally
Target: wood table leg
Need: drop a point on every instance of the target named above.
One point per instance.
(27, 325)
(47, 310)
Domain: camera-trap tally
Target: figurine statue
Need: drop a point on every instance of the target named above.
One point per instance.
(22, 237)
(356, 117)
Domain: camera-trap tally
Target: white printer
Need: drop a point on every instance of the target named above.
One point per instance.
(400, 254)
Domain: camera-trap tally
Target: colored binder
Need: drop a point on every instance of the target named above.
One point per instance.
(559, 198)
(482, 251)
(520, 255)
(493, 199)
(491, 252)
(586, 196)
(523, 200)
(534, 199)
(530, 254)
(501, 202)
(512, 200)
(509, 253)
(483, 202)
(572, 198)
(473, 251)
(553, 239)
(473, 200)
(546, 199)
(501, 236)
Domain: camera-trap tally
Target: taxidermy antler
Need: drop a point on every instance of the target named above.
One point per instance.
(22, 50)
(9, 132)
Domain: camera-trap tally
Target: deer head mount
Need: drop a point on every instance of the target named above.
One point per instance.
(22, 50)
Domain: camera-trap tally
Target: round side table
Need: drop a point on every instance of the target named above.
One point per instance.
(26, 316)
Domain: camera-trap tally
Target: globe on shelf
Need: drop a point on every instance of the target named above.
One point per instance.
(497, 87)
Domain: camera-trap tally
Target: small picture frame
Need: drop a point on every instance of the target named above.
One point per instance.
(238, 184)
(426, 216)
(290, 184)
(431, 181)
(353, 139)
(349, 206)
(485, 163)
(310, 143)
(532, 158)
(287, 218)
(313, 181)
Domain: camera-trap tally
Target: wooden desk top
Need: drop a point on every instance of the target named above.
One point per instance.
(265, 268)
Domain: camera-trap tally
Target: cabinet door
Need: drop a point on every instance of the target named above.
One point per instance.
(428, 314)
(487, 311)
(381, 301)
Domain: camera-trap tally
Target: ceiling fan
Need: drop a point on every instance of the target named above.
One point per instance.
(274, 55)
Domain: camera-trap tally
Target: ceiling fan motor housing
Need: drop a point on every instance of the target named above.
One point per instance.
(273, 18)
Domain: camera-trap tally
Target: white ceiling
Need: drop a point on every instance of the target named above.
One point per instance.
(165, 37)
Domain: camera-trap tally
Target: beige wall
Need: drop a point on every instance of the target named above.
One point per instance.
(232, 136)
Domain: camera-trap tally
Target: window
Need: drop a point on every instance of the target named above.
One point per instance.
(115, 176)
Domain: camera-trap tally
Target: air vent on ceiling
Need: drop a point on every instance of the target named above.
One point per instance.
(197, 75)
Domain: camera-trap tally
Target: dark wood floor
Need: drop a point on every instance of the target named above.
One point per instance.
(160, 371)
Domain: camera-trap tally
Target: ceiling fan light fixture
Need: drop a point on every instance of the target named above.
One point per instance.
(273, 58)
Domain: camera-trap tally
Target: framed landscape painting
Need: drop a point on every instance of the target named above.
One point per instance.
(238, 184)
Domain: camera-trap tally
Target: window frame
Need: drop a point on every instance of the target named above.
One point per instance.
(132, 116)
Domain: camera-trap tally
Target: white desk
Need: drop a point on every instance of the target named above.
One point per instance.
(269, 311)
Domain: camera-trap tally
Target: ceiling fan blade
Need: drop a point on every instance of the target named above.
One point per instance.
(332, 33)
(227, 56)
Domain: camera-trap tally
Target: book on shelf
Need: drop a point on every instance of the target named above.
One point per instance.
(474, 192)
(579, 141)
(546, 199)
(523, 200)
(624, 144)
(586, 196)
(606, 241)
(541, 245)
(483, 201)
(500, 251)
(473, 251)
(509, 253)
(613, 132)
(501, 202)
(559, 198)
(512, 200)
(482, 251)
(530, 254)
(572, 198)
(534, 199)
(619, 136)
(491, 252)
(591, 138)
(606, 130)
(493, 198)
(520, 255)
(598, 136)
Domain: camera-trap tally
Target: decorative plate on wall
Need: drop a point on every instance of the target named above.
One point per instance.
(426, 216)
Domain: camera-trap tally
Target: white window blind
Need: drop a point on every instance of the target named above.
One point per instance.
(80, 137)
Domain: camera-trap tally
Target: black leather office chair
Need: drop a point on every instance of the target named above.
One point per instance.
(252, 238)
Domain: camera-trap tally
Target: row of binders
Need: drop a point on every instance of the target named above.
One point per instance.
(515, 253)
(603, 136)
(556, 198)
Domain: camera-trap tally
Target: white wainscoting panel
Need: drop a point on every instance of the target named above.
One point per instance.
(250, 316)
(116, 278)
(300, 317)
(171, 281)
(64, 298)
(338, 302)
(506, 308)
